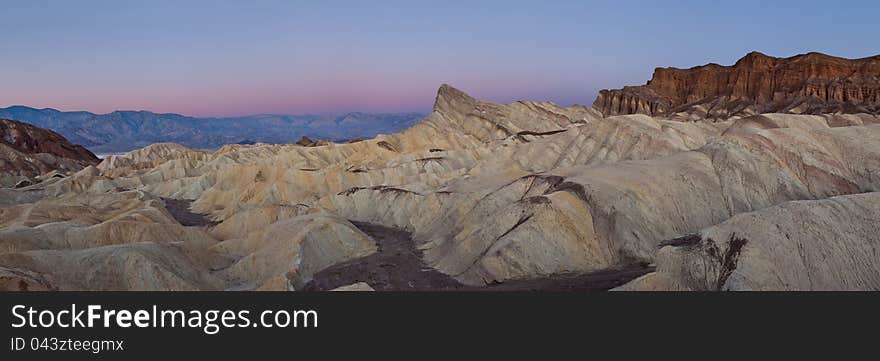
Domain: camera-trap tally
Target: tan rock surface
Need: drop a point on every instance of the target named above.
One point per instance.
(586, 217)
(356, 287)
(293, 248)
(489, 192)
(141, 266)
(827, 244)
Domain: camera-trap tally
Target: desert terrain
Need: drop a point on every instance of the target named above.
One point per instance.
(762, 175)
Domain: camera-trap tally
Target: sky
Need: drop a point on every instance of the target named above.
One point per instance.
(231, 58)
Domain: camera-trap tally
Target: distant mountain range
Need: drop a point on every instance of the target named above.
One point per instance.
(121, 131)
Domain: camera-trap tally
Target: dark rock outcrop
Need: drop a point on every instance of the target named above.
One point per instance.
(29, 151)
(29, 139)
(809, 83)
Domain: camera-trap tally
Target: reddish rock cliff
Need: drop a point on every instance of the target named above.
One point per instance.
(27, 151)
(29, 139)
(757, 83)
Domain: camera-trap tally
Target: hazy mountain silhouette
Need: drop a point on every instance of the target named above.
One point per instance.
(126, 130)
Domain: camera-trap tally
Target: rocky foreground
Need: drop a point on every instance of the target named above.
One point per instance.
(476, 196)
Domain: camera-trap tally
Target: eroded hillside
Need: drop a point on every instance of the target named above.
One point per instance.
(486, 193)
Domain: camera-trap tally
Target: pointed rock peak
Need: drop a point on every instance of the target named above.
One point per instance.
(449, 98)
(755, 53)
(447, 89)
(753, 57)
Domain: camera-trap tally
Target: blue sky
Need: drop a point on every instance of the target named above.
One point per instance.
(214, 58)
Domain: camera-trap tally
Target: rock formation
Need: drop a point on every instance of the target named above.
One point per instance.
(308, 142)
(27, 152)
(484, 195)
(810, 83)
(827, 244)
(29, 139)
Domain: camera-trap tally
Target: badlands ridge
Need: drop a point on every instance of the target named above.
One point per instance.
(475, 196)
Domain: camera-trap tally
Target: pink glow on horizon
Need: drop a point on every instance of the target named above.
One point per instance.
(204, 58)
(340, 94)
